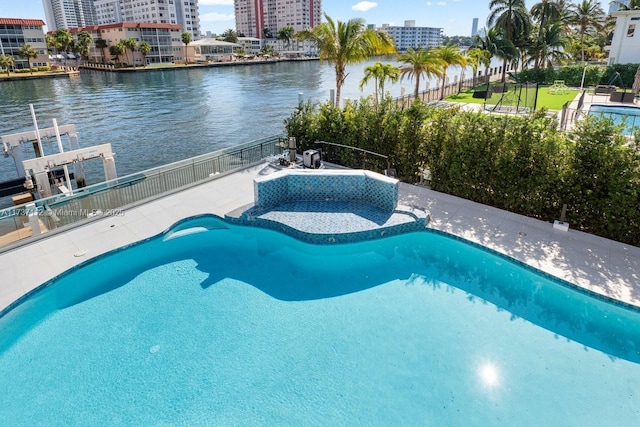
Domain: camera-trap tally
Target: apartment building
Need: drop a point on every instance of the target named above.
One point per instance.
(412, 36)
(14, 33)
(64, 14)
(165, 40)
(254, 16)
(182, 12)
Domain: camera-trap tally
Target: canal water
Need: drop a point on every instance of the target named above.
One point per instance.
(158, 117)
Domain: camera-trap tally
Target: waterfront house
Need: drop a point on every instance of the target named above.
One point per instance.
(14, 33)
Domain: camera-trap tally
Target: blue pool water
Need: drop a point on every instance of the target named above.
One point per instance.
(216, 324)
(621, 115)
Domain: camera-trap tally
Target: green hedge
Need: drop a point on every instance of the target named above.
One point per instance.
(521, 164)
(572, 75)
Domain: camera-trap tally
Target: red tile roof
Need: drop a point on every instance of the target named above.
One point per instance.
(17, 21)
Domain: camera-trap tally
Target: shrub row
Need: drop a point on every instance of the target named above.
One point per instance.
(521, 164)
(572, 75)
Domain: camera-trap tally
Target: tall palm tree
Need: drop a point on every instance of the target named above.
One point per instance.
(144, 48)
(449, 55)
(130, 44)
(380, 72)
(6, 62)
(512, 18)
(26, 51)
(419, 62)
(101, 44)
(186, 39)
(286, 34)
(587, 15)
(344, 43)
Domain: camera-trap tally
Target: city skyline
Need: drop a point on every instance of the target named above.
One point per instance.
(455, 17)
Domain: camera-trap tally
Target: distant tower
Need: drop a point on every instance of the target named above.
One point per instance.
(474, 27)
(63, 14)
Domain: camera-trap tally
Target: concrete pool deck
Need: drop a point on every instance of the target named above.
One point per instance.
(600, 265)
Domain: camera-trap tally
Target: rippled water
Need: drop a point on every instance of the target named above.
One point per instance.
(154, 118)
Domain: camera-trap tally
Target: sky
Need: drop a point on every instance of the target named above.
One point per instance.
(454, 16)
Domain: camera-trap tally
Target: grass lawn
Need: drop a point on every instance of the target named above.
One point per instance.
(545, 99)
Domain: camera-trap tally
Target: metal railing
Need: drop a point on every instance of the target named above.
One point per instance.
(99, 199)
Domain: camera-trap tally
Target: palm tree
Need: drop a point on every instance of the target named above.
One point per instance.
(450, 56)
(545, 11)
(548, 47)
(84, 44)
(419, 62)
(587, 15)
(186, 39)
(512, 18)
(344, 43)
(267, 33)
(101, 44)
(476, 57)
(230, 36)
(6, 62)
(117, 50)
(286, 34)
(144, 48)
(496, 44)
(380, 72)
(26, 51)
(63, 40)
(130, 44)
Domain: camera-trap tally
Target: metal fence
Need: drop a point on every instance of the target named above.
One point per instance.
(60, 210)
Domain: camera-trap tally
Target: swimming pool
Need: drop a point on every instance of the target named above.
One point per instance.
(621, 115)
(218, 324)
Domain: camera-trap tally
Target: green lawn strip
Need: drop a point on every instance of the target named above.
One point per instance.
(545, 99)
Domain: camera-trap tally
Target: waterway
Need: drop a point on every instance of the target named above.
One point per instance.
(158, 117)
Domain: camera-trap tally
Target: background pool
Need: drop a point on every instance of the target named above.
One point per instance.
(621, 115)
(241, 326)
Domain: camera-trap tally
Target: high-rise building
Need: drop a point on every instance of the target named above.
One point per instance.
(253, 17)
(412, 36)
(474, 27)
(180, 12)
(63, 14)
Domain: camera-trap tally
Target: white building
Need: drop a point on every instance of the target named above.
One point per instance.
(614, 7)
(14, 33)
(64, 14)
(254, 16)
(412, 36)
(625, 44)
(180, 12)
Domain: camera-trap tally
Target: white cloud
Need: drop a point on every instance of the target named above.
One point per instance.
(429, 3)
(217, 17)
(363, 6)
(215, 3)
(441, 3)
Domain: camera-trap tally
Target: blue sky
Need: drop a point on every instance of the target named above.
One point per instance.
(455, 16)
